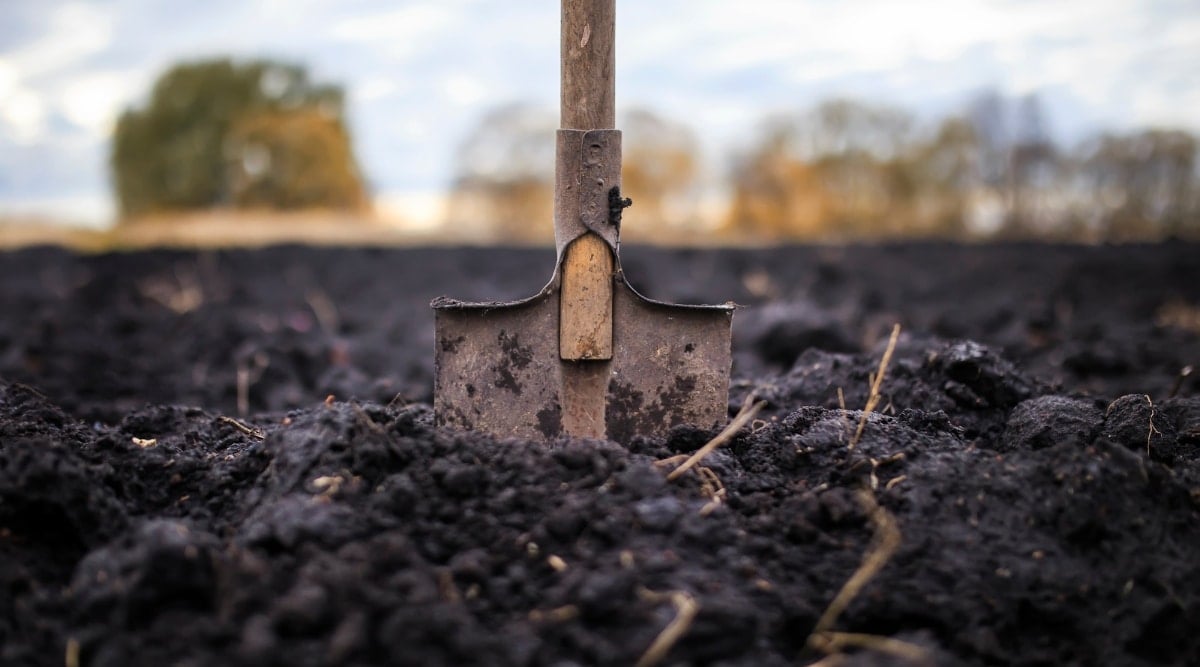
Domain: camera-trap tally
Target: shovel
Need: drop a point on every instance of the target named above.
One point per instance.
(587, 356)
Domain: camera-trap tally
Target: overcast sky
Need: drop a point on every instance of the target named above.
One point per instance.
(420, 73)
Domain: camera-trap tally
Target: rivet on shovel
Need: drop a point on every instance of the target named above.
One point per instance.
(587, 355)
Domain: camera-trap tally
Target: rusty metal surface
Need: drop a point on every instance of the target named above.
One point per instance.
(587, 168)
(497, 366)
(670, 365)
(498, 370)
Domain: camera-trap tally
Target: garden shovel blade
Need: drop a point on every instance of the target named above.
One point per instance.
(586, 356)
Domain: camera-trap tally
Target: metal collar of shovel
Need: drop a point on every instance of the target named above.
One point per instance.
(587, 355)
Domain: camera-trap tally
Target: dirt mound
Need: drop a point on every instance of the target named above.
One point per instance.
(1041, 522)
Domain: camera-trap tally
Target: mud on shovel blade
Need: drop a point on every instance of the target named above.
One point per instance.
(587, 355)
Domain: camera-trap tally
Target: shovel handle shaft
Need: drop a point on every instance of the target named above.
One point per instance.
(588, 92)
(587, 103)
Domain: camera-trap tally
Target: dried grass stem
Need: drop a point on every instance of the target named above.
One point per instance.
(744, 416)
(686, 609)
(876, 384)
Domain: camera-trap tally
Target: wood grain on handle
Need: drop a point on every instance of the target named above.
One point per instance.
(585, 302)
(588, 92)
(587, 101)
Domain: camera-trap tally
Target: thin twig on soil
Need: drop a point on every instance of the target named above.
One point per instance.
(712, 488)
(325, 311)
(884, 544)
(834, 642)
(686, 609)
(445, 582)
(241, 426)
(243, 389)
(247, 376)
(876, 385)
(844, 412)
(24, 387)
(1152, 431)
(72, 657)
(181, 296)
(744, 416)
(1183, 375)
(556, 615)
(671, 460)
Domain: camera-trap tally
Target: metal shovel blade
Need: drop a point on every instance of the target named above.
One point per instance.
(587, 356)
(498, 368)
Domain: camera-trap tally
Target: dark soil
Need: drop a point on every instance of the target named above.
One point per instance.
(176, 489)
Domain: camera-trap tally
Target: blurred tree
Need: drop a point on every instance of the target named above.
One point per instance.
(775, 194)
(988, 114)
(292, 159)
(180, 151)
(661, 173)
(846, 169)
(1035, 167)
(504, 187)
(504, 184)
(860, 196)
(1144, 185)
(836, 171)
(1020, 167)
(847, 127)
(940, 177)
(989, 118)
(855, 149)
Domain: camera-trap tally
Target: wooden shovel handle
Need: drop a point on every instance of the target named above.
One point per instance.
(587, 98)
(588, 93)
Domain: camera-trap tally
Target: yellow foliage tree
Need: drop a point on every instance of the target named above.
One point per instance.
(775, 194)
(847, 170)
(504, 187)
(935, 181)
(185, 148)
(293, 159)
(661, 172)
(1145, 184)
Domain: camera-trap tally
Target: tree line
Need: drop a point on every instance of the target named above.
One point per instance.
(846, 169)
(263, 134)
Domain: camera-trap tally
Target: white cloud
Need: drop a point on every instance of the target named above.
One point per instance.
(92, 101)
(49, 75)
(398, 32)
(464, 90)
(77, 30)
(24, 116)
(374, 88)
(22, 112)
